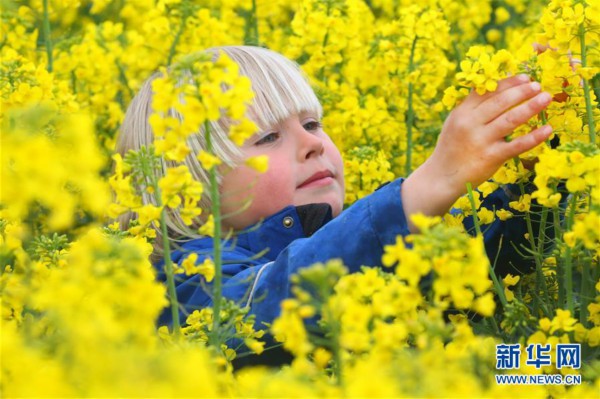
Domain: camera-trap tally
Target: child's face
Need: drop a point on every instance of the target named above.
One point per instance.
(305, 167)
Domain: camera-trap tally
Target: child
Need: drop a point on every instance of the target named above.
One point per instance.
(296, 208)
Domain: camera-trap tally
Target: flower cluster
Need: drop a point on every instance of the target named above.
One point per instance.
(577, 166)
(35, 138)
(185, 100)
(482, 69)
(197, 101)
(365, 171)
(459, 265)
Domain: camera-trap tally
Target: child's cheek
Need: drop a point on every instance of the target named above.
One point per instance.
(274, 187)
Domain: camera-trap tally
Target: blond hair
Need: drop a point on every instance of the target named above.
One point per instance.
(280, 89)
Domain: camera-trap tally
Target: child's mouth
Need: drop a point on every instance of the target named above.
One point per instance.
(319, 179)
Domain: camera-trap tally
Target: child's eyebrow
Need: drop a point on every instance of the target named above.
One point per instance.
(307, 113)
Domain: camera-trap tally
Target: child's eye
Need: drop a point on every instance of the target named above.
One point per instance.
(269, 138)
(313, 125)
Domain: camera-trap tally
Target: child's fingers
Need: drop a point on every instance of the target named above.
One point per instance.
(524, 143)
(506, 122)
(509, 82)
(495, 106)
(475, 99)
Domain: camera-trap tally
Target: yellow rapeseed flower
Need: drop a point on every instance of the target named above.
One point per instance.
(208, 160)
(259, 163)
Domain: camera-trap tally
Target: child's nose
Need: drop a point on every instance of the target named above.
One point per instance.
(309, 144)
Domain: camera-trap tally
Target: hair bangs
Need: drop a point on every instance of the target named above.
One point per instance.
(280, 87)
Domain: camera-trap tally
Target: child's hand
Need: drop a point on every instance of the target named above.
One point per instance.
(472, 144)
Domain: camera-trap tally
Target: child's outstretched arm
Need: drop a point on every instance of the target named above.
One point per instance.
(472, 145)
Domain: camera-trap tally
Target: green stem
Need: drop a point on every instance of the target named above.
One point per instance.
(123, 79)
(543, 117)
(254, 24)
(177, 38)
(321, 73)
(410, 113)
(542, 231)
(559, 264)
(337, 355)
(586, 292)
(47, 38)
(538, 257)
(540, 251)
(473, 208)
(544, 120)
(335, 331)
(494, 323)
(149, 172)
(586, 87)
(568, 277)
(215, 336)
(497, 285)
(169, 272)
(74, 82)
(587, 281)
(595, 86)
(122, 75)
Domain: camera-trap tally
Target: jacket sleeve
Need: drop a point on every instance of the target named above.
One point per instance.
(506, 242)
(357, 237)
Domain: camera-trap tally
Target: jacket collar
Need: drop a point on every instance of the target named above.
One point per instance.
(278, 231)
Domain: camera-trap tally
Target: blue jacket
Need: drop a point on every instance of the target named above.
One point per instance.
(258, 263)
